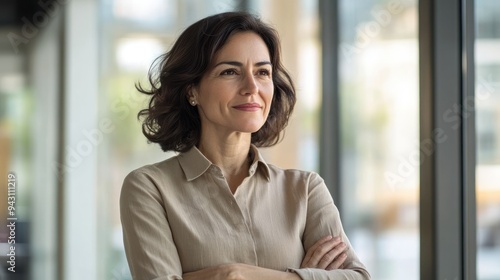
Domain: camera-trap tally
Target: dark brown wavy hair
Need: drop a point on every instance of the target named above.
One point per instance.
(170, 120)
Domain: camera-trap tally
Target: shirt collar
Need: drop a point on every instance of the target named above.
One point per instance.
(194, 163)
(258, 161)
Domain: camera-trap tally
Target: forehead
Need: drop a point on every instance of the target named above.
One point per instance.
(243, 46)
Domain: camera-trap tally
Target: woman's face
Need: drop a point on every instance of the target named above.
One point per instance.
(235, 93)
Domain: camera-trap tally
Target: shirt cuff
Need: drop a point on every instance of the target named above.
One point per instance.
(303, 273)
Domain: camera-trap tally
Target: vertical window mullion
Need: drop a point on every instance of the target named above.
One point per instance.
(330, 120)
(469, 140)
(445, 173)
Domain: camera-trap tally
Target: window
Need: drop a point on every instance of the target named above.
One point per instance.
(379, 123)
(488, 138)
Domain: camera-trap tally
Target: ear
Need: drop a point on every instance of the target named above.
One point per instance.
(192, 95)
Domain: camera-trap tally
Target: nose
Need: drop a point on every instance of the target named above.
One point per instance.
(250, 85)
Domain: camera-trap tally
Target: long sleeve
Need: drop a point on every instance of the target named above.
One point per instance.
(323, 219)
(179, 216)
(151, 252)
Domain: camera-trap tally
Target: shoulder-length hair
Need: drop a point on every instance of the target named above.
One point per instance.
(170, 120)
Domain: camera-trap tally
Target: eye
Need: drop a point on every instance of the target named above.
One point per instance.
(228, 72)
(264, 72)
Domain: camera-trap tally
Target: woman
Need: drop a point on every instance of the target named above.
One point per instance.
(218, 210)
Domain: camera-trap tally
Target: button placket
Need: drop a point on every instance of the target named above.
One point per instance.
(238, 212)
(247, 222)
(238, 207)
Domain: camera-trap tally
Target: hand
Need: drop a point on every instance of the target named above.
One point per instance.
(328, 253)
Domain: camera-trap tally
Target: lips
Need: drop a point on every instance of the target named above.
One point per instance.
(248, 107)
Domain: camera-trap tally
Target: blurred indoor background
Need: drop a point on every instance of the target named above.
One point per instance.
(69, 132)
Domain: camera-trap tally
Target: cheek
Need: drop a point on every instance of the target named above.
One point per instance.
(268, 96)
(269, 103)
(212, 95)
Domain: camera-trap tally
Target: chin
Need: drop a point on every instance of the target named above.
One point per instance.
(247, 124)
(250, 128)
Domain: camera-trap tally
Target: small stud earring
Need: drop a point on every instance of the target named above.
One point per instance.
(193, 102)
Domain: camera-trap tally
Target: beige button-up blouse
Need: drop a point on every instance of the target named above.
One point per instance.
(179, 216)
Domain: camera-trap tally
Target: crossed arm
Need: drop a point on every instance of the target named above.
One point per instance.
(327, 253)
(148, 238)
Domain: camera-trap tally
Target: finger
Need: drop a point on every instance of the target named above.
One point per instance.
(320, 242)
(322, 252)
(330, 258)
(322, 245)
(338, 263)
(311, 250)
(331, 255)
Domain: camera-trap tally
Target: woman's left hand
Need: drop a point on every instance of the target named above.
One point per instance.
(327, 253)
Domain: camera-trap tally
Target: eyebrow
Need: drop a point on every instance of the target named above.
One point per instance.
(237, 63)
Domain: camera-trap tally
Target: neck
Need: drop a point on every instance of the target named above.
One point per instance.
(230, 153)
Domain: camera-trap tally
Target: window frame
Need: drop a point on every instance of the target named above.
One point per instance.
(446, 74)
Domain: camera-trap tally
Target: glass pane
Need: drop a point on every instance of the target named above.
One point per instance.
(130, 42)
(29, 85)
(380, 133)
(16, 171)
(488, 138)
(297, 23)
